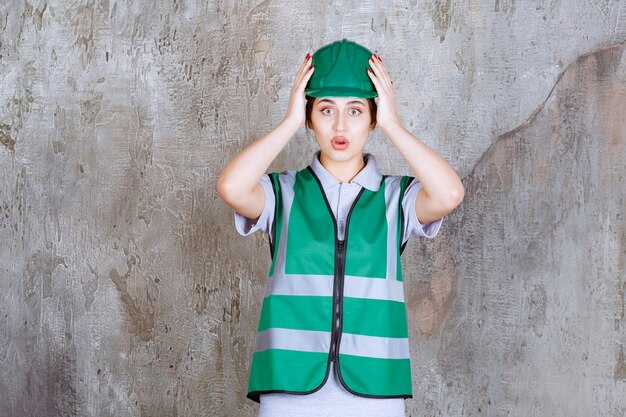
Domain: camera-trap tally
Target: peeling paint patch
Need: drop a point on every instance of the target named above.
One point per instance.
(620, 367)
(90, 108)
(41, 265)
(537, 309)
(5, 137)
(142, 323)
(441, 17)
(89, 288)
(426, 316)
(433, 301)
(504, 6)
(5, 336)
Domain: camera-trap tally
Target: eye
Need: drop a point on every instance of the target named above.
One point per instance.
(354, 112)
(327, 111)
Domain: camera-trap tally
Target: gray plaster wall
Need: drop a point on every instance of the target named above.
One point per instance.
(125, 290)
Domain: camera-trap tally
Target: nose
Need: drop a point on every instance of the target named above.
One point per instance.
(340, 122)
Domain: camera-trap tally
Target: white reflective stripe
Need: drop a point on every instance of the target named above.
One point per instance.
(302, 340)
(292, 284)
(286, 191)
(317, 341)
(374, 346)
(392, 194)
(322, 285)
(373, 288)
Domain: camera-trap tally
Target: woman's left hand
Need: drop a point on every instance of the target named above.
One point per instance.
(386, 113)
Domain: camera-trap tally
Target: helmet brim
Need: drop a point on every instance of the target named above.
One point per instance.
(339, 92)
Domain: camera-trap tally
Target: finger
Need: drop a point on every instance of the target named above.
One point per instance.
(305, 79)
(380, 64)
(375, 81)
(372, 74)
(379, 84)
(379, 69)
(307, 75)
(306, 66)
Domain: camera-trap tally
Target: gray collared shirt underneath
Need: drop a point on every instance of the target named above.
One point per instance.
(340, 196)
(332, 398)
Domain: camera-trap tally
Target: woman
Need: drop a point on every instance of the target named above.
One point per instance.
(332, 336)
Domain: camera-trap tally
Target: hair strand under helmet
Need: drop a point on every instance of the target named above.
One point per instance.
(341, 71)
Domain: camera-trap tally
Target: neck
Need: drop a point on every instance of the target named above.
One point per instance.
(343, 170)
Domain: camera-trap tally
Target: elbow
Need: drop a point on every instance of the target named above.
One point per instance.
(457, 195)
(454, 198)
(226, 189)
(232, 192)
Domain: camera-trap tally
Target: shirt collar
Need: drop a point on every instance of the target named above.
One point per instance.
(369, 177)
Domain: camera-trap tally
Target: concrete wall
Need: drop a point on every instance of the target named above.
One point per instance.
(125, 290)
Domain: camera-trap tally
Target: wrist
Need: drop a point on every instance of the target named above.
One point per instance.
(291, 123)
(391, 123)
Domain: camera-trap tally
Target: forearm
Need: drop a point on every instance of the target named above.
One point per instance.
(439, 180)
(245, 170)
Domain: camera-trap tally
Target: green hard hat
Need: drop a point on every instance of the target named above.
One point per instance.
(341, 71)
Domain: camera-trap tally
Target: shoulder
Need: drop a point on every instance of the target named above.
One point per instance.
(401, 182)
(278, 181)
(283, 176)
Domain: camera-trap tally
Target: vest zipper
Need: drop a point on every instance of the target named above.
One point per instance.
(340, 262)
(338, 297)
(340, 268)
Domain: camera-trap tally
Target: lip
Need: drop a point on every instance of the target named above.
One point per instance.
(337, 146)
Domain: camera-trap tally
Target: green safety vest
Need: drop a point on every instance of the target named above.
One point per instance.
(333, 300)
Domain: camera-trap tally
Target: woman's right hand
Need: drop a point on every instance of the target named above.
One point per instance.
(297, 100)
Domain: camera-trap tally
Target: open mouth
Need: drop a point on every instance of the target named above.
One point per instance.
(339, 143)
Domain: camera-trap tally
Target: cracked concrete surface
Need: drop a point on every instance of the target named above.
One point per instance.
(125, 289)
(539, 247)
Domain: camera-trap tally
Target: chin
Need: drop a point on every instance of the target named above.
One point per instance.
(342, 156)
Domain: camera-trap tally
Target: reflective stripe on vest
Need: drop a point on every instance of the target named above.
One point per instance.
(333, 300)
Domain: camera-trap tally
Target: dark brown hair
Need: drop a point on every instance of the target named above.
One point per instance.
(309, 108)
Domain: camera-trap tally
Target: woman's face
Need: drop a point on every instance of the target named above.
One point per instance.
(341, 126)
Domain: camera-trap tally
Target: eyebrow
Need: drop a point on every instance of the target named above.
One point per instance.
(332, 102)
